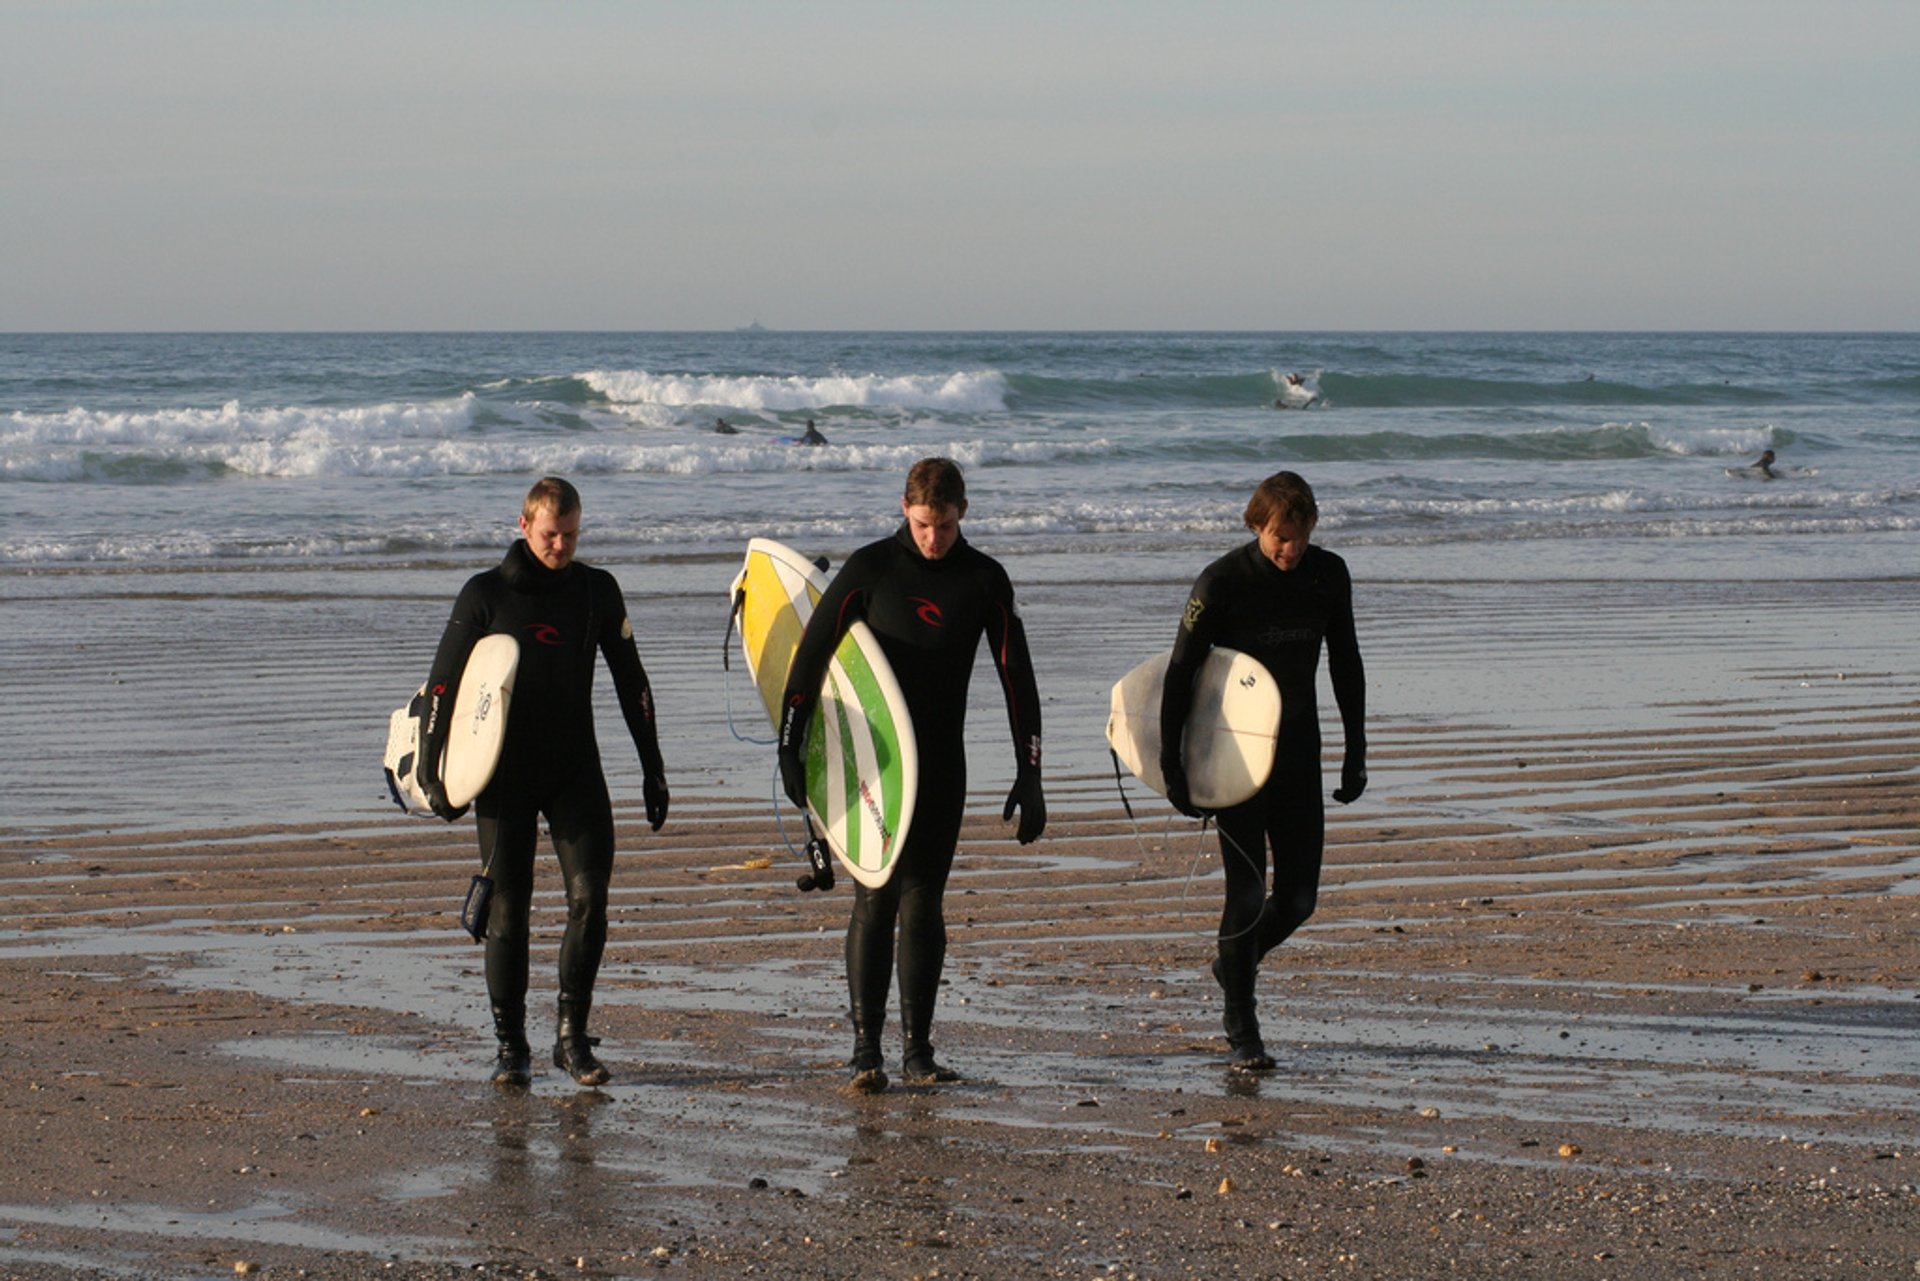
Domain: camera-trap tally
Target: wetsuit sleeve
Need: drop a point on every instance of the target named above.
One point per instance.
(630, 679)
(468, 623)
(1008, 637)
(1199, 624)
(844, 601)
(1344, 666)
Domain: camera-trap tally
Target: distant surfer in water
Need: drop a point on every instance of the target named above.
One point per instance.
(562, 611)
(1764, 465)
(721, 427)
(1296, 394)
(929, 596)
(812, 436)
(1278, 599)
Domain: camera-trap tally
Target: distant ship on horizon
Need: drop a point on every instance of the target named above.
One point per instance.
(755, 328)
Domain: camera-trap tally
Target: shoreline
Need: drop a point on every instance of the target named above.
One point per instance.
(1615, 973)
(1615, 1003)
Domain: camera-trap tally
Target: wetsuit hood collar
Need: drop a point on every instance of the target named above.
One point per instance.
(523, 571)
(904, 536)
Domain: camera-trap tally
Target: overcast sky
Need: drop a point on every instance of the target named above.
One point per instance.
(1341, 164)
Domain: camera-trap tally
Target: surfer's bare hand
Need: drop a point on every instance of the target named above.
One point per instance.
(654, 789)
(1031, 801)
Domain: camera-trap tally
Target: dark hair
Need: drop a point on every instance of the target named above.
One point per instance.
(550, 493)
(936, 482)
(1285, 497)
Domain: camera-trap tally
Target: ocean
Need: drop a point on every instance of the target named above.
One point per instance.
(223, 557)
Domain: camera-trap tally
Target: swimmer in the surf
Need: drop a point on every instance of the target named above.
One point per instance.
(812, 436)
(1296, 383)
(1765, 465)
(721, 427)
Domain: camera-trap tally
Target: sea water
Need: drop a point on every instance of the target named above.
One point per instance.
(251, 539)
(1515, 454)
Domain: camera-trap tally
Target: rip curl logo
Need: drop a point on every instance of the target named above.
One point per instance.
(928, 611)
(546, 633)
(1195, 608)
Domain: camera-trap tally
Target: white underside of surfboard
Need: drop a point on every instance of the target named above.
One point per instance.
(1230, 735)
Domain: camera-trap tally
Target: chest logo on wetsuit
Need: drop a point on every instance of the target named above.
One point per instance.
(928, 611)
(546, 633)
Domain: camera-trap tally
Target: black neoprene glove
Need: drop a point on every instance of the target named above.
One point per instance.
(793, 766)
(1353, 777)
(1174, 770)
(654, 789)
(1031, 801)
(437, 799)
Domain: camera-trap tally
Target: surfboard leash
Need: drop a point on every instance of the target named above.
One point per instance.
(819, 859)
(1200, 849)
(726, 668)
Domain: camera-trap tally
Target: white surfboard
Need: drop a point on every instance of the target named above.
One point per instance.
(1231, 730)
(863, 763)
(474, 739)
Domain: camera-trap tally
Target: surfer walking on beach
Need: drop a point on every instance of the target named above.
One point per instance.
(929, 596)
(563, 612)
(1277, 598)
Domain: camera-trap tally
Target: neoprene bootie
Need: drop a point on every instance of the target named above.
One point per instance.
(1246, 1051)
(573, 1048)
(919, 1067)
(513, 1060)
(869, 1077)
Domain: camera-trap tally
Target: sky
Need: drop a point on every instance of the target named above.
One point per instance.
(1039, 164)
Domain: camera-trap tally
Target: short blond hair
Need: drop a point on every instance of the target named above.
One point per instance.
(550, 494)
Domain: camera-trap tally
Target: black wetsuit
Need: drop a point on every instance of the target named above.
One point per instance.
(1244, 601)
(929, 616)
(549, 763)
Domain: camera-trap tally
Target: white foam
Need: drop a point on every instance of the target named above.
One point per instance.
(966, 391)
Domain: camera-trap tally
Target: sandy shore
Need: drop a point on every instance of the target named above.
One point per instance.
(1595, 990)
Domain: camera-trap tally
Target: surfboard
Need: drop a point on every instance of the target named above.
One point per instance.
(478, 731)
(1230, 734)
(863, 765)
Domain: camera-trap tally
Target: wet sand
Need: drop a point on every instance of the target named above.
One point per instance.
(1598, 987)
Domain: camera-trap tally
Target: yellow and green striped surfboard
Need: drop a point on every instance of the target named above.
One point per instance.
(863, 767)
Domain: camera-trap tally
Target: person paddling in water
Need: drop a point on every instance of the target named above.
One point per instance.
(1278, 599)
(930, 597)
(1765, 465)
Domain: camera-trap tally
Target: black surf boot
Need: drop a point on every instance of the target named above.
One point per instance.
(573, 1048)
(869, 1077)
(919, 1066)
(513, 1061)
(1245, 1051)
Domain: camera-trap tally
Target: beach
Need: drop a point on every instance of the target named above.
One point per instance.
(1615, 971)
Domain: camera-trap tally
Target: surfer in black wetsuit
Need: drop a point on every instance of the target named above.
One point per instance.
(562, 611)
(929, 596)
(1764, 464)
(812, 436)
(1276, 598)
